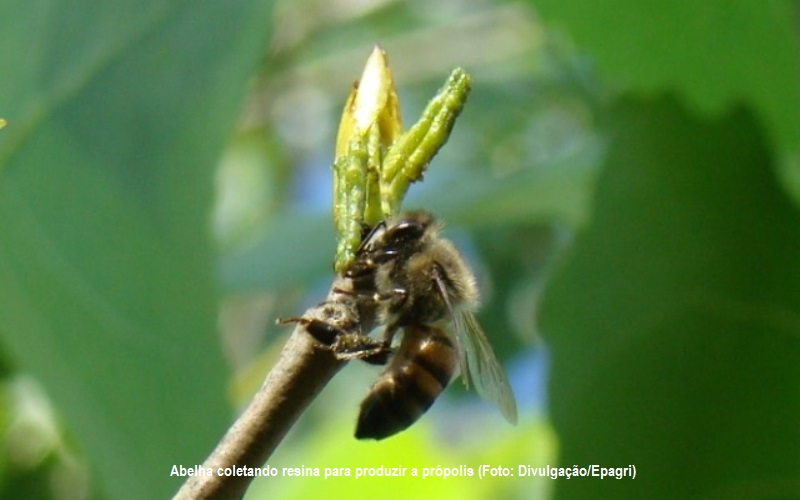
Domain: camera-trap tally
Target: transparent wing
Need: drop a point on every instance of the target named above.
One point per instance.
(460, 347)
(484, 370)
(477, 360)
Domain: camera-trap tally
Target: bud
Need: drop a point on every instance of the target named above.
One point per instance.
(370, 123)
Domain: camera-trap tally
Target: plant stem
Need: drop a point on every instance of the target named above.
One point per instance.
(305, 366)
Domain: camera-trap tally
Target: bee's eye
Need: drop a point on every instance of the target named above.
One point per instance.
(405, 230)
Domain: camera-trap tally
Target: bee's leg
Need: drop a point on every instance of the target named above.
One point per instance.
(382, 256)
(367, 349)
(364, 266)
(379, 358)
(360, 268)
(394, 294)
(368, 234)
(323, 331)
(344, 345)
(389, 333)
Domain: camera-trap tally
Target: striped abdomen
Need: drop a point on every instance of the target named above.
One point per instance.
(418, 373)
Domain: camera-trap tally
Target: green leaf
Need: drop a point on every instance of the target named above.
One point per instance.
(674, 324)
(271, 260)
(714, 54)
(116, 114)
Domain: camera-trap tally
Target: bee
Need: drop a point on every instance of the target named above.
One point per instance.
(422, 286)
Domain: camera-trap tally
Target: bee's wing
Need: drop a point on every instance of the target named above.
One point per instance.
(460, 347)
(477, 359)
(484, 369)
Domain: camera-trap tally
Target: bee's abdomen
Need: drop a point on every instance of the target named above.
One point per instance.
(422, 368)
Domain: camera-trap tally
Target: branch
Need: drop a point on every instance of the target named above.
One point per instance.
(305, 366)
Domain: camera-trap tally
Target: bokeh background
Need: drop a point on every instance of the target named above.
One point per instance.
(624, 179)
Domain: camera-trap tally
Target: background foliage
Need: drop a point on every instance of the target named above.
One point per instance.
(624, 178)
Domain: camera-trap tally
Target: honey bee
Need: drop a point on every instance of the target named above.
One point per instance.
(422, 285)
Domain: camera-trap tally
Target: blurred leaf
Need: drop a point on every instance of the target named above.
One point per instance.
(559, 191)
(674, 325)
(286, 251)
(117, 111)
(715, 54)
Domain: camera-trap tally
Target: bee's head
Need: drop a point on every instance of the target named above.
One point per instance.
(397, 237)
(409, 230)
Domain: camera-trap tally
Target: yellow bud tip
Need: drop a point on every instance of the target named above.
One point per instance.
(373, 89)
(2, 123)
